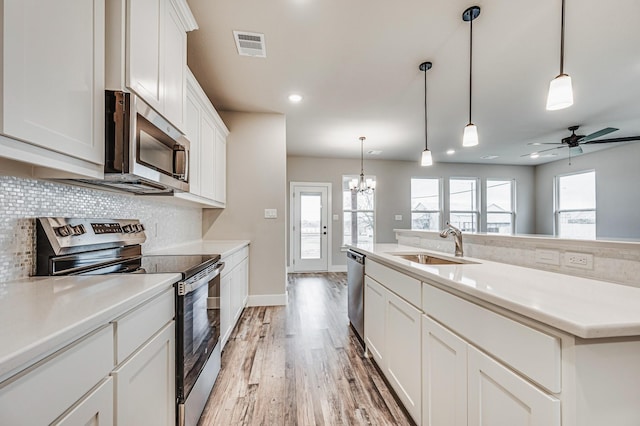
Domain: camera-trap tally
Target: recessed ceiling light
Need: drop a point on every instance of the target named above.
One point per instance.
(374, 152)
(549, 155)
(295, 98)
(451, 151)
(534, 155)
(489, 157)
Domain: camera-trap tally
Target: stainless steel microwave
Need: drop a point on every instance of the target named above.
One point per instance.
(144, 153)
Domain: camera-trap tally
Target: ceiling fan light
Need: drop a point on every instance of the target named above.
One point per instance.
(560, 93)
(426, 160)
(470, 136)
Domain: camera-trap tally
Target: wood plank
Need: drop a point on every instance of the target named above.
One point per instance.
(300, 365)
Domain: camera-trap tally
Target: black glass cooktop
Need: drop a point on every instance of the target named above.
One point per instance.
(187, 265)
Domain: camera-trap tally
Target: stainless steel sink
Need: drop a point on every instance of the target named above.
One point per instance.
(426, 259)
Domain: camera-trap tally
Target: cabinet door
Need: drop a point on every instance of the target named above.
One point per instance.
(403, 349)
(225, 308)
(245, 282)
(444, 376)
(220, 178)
(192, 127)
(499, 397)
(145, 383)
(95, 409)
(175, 59)
(53, 75)
(145, 71)
(207, 160)
(374, 327)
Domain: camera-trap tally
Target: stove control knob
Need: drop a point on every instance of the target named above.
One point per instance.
(128, 229)
(64, 231)
(79, 230)
(140, 227)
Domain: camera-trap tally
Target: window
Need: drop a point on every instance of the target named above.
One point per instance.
(500, 206)
(463, 204)
(425, 204)
(576, 205)
(358, 213)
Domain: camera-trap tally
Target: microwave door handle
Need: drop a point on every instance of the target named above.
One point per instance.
(179, 162)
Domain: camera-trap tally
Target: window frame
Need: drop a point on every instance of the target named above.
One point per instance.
(556, 202)
(512, 212)
(440, 202)
(477, 212)
(348, 178)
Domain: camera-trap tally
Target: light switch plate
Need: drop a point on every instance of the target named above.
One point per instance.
(398, 217)
(270, 213)
(336, 217)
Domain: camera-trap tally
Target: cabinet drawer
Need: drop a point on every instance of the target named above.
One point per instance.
(137, 326)
(43, 392)
(535, 354)
(95, 409)
(404, 286)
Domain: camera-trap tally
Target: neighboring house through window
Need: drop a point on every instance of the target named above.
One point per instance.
(426, 205)
(500, 206)
(463, 204)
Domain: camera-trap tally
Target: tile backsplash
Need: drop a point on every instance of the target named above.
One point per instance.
(22, 200)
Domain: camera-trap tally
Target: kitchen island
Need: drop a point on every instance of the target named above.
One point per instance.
(501, 343)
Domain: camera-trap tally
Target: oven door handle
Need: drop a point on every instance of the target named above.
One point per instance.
(186, 287)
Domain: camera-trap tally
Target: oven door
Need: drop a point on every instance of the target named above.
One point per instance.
(197, 329)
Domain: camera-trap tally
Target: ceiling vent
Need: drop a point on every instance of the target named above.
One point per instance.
(250, 44)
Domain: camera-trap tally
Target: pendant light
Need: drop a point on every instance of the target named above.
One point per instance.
(362, 185)
(426, 159)
(560, 90)
(470, 136)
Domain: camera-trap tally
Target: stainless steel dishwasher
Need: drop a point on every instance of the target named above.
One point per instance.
(355, 285)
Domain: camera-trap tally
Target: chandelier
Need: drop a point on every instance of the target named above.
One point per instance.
(362, 185)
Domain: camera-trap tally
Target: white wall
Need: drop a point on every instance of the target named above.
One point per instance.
(256, 180)
(617, 193)
(393, 191)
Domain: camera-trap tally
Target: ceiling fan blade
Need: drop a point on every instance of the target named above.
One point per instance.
(625, 139)
(599, 133)
(544, 150)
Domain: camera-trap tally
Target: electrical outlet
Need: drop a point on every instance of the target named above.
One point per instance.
(578, 260)
(548, 257)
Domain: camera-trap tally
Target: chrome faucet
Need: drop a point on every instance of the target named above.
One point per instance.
(457, 237)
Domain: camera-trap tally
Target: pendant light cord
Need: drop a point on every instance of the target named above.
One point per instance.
(562, 41)
(425, 109)
(471, 61)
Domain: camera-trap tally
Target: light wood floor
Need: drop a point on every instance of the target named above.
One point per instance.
(300, 365)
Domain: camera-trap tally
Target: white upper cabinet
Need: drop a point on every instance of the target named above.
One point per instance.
(147, 52)
(207, 134)
(53, 80)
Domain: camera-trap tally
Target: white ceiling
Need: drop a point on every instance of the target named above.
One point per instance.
(356, 64)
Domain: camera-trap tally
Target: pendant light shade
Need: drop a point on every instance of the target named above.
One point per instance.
(426, 159)
(560, 93)
(560, 90)
(470, 135)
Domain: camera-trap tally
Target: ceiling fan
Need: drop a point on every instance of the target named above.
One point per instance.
(574, 141)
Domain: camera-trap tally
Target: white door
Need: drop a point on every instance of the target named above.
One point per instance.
(310, 227)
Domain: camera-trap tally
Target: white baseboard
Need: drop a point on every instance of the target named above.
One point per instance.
(338, 268)
(267, 300)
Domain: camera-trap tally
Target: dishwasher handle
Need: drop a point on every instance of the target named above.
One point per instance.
(354, 255)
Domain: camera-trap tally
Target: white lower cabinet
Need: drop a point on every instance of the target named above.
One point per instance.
(85, 383)
(95, 409)
(145, 383)
(499, 397)
(392, 335)
(234, 291)
(444, 376)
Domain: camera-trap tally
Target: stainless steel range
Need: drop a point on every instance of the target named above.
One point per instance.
(73, 246)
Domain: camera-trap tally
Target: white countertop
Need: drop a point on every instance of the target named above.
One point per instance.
(221, 247)
(583, 307)
(40, 315)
